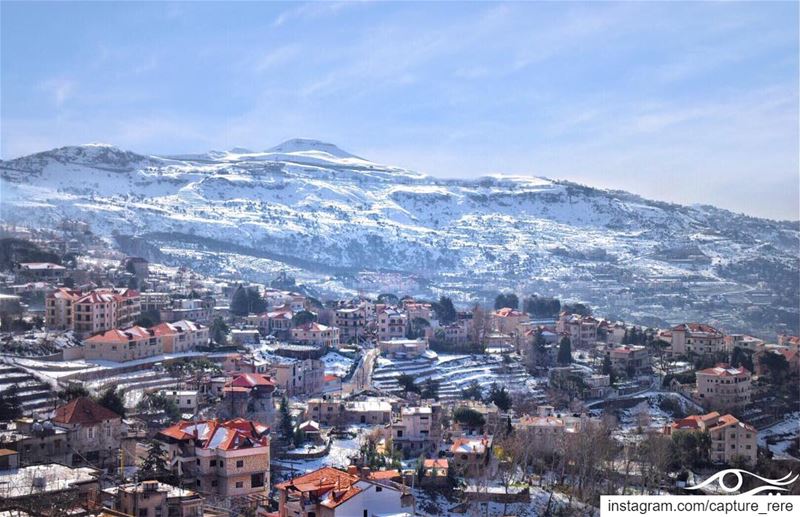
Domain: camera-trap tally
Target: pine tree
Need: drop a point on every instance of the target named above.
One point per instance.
(240, 303)
(564, 351)
(112, 399)
(219, 331)
(154, 465)
(10, 405)
(287, 429)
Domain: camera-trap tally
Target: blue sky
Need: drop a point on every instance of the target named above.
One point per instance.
(686, 102)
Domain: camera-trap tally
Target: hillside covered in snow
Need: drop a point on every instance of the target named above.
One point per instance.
(340, 222)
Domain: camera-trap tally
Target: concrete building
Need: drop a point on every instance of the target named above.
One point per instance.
(249, 395)
(730, 438)
(696, 338)
(392, 323)
(228, 459)
(403, 347)
(316, 334)
(329, 492)
(470, 455)
(152, 498)
(723, 387)
(630, 360)
(95, 432)
(416, 430)
(120, 345)
(299, 376)
(181, 336)
(351, 322)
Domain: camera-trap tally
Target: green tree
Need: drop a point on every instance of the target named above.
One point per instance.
(468, 417)
(407, 383)
(416, 328)
(154, 465)
(445, 310)
(303, 317)
(112, 399)
(430, 389)
(10, 405)
(240, 302)
(499, 395)
(608, 369)
(286, 427)
(564, 351)
(219, 331)
(472, 392)
(72, 391)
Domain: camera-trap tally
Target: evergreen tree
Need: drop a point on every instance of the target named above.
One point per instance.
(500, 397)
(154, 465)
(407, 383)
(430, 390)
(509, 300)
(73, 391)
(303, 317)
(286, 427)
(10, 405)
(564, 351)
(219, 332)
(608, 369)
(240, 303)
(445, 310)
(472, 392)
(255, 302)
(112, 399)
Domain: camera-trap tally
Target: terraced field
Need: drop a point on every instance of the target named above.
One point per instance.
(456, 372)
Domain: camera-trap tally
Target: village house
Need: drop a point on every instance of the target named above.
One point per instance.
(696, 338)
(228, 459)
(329, 492)
(121, 345)
(250, 395)
(154, 301)
(793, 342)
(744, 342)
(549, 431)
(392, 323)
(36, 441)
(332, 411)
(470, 455)
(630, 360)
(40, 272)
(316, 334)
(409, 348)
(181, 336)
(187, 401)
(298, 376)
(581, 330)
(416, 430)
(277, 322)
(152, 498)
(192, 309)
(490, 413)
(456, 333)
(418, 310)
(730, 438)
(33, 486)
(94, 432)
(723, 387)
(435, 472)
(507, 320)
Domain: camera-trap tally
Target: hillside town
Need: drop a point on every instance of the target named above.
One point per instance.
(130, 387)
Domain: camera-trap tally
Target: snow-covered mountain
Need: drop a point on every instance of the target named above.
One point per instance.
(348, 223)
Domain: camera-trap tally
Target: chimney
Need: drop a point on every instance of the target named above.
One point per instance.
(352, 470)
(365, 472)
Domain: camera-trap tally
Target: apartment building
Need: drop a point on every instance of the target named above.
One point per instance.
(730, 438)
(59, 309)
(581, 330)
(121, 345)
(316, 334)
(228, 459)
(351, 322)
(403, 347)
(336, 411)
(723, 387)
(696, 338)
(105, 309)
(744, 342)
(392, 323)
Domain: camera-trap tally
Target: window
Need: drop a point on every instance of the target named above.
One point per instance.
(257, 480)
(214, 483)
(142, 512)
(240, 484)
(239, 464)
(366, 513)
(379, 489)
(212, 463)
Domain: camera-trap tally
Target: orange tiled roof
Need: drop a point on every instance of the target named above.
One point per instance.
(322, 479)
(384, 474)
(250, 380)
(83, 411)
(724, 370)
(225, 435)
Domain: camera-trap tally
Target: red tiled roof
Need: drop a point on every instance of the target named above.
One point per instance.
(697, 327)
(439, 463)
(724, 370)
(250, 380)
(83, 411)
(226, 435)
(322, 480)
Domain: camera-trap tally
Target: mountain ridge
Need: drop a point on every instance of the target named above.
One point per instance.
(311, 201)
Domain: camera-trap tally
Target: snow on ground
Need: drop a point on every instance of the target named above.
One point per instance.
(337, 364)
(780, 436)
